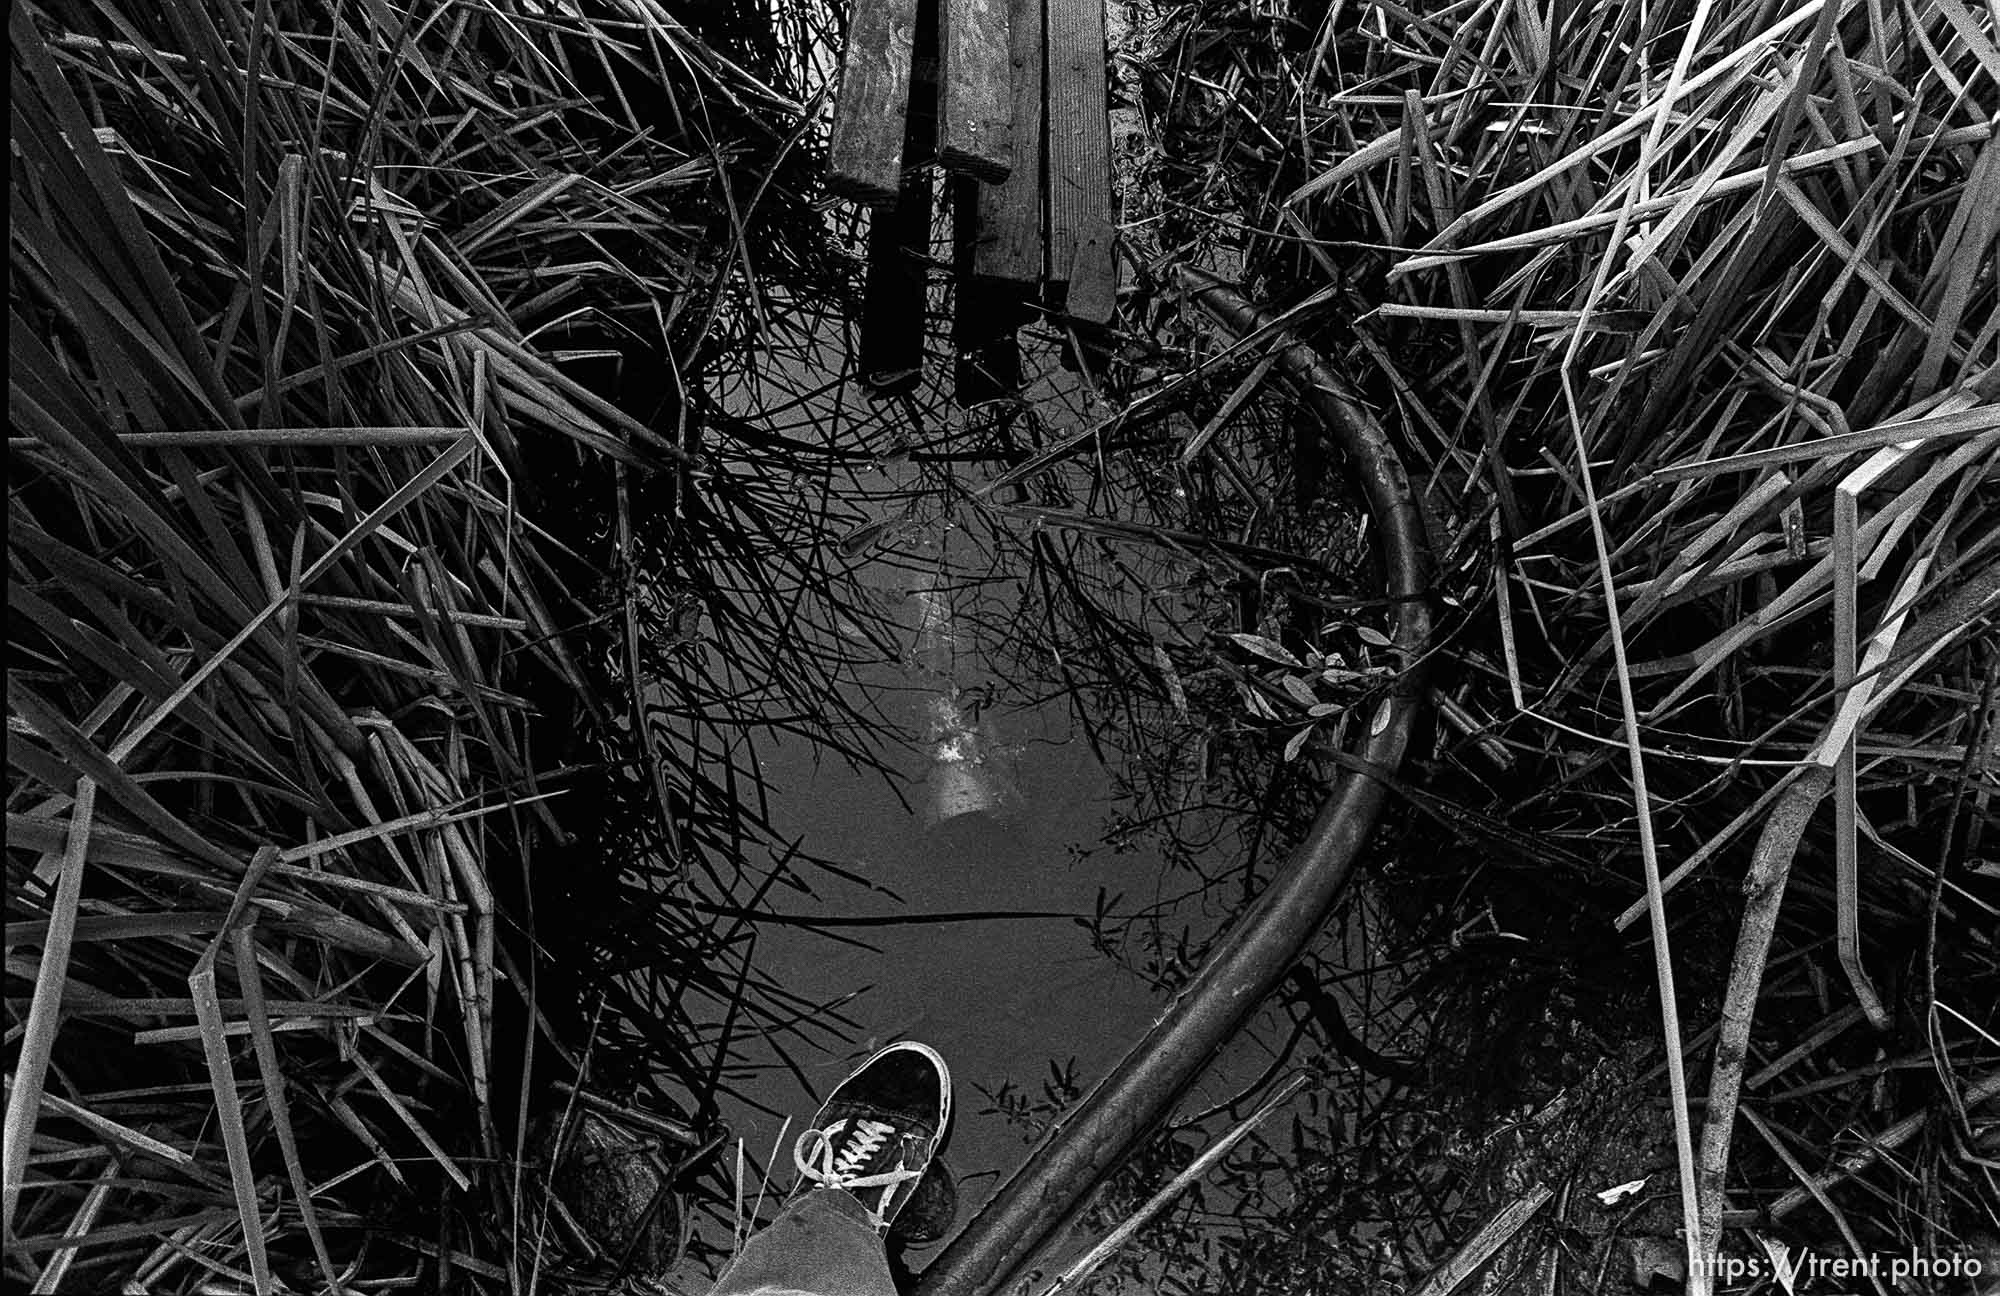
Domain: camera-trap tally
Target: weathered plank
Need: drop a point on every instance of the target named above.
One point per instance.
(986, 311)
(864, 158)
(1009, 244)
(975, 135)
(1079, 162)
(896, 293)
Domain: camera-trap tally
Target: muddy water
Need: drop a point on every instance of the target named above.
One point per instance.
(1005, 796)
(1008, 811)
(998, 997)
(999, 808)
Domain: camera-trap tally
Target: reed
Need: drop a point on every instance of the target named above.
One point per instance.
(344, 344)
(409, 420)
(1687, 314)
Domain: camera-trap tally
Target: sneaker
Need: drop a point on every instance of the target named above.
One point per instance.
(931, 1211)
(876, 1134)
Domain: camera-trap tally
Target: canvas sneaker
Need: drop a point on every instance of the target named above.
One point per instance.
(878, 1131)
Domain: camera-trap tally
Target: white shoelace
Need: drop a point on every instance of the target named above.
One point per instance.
(818, 1159)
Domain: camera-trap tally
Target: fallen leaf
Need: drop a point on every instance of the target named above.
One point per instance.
(1612, 1196)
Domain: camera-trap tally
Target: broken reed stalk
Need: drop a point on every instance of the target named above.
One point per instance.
(1670, 1025)
(1118, 1238)
(1479, 1248)
(1764, 893)
(1979, 1091)
(1770, 866)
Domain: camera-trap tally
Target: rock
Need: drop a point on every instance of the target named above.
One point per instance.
(1657, 1262)
(607, 1180)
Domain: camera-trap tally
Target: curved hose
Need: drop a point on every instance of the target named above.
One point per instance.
(1082, 1148)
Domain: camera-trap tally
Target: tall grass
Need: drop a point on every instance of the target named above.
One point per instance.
(1688, 315)
(358, 355)
(345, 343)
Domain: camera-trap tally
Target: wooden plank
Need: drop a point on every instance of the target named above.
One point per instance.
(1009, 242)
(975, 135)
(985, 311)
(864, 158)
(895, 298)
(895, 295)
(1079, 162)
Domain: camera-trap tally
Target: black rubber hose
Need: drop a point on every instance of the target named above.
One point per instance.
(1082, 1148)
(1325, 1012)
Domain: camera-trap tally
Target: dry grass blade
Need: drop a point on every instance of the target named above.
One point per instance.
(51, 1277)
(222, 1072)
(1854, 1247)
(229, 1119)
(111, 1131)
(24, 1097)
(244, 946)
(1698, 1273)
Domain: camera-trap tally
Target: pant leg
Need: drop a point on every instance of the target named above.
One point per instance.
(820, 1245)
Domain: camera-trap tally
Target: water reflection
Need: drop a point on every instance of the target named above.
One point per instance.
(971, 767)
(1062, 827)
(1002, 669)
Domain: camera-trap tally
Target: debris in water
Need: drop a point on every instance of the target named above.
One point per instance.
(971, 769)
